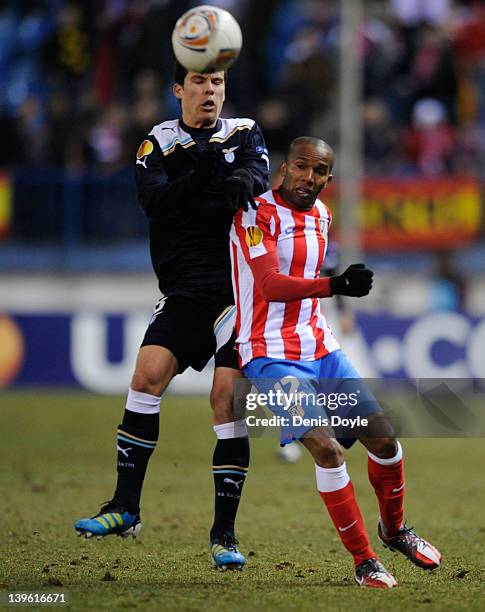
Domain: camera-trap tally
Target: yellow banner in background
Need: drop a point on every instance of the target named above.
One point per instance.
(5, 205)
(416, 213)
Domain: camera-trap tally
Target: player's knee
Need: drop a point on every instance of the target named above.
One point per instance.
(328, 453)
(145, 383)
(155, 368)
(221, 399)
(384, 448)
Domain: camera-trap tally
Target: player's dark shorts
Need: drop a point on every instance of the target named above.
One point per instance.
(185, 326)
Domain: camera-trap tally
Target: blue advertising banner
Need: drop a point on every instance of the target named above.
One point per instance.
(97, 350)
(87, 349)
(440, 344)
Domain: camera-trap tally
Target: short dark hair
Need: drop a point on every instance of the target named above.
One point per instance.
(179, 73)
(316, 142)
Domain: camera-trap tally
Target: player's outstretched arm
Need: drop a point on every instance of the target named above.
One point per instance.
(277, 287)
(356, 281)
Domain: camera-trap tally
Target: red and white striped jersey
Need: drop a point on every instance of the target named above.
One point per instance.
(295, 330)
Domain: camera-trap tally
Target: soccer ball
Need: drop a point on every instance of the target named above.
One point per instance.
(206, 39)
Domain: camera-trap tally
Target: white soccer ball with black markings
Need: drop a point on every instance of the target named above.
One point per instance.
(206, 39)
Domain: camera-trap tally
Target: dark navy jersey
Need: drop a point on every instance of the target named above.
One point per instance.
(189, 228)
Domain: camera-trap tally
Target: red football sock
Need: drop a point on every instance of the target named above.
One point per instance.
(388, 482)
(347, 518)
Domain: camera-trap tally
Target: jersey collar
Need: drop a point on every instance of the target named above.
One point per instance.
(208, 132)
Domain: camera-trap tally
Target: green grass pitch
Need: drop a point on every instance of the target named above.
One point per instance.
(57, 455)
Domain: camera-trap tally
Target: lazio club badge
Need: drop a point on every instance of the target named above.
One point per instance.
(253, 236)
(229, 154)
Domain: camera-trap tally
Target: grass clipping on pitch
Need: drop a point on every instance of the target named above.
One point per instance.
(58, 454)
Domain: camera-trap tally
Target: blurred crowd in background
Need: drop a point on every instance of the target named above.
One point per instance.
(81, 83)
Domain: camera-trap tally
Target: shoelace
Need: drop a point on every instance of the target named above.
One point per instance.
(229, 542)
(408, 531)
(373, 564)
(375, 574)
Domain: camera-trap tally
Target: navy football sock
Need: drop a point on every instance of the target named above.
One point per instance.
(230, 466)
(136, 440)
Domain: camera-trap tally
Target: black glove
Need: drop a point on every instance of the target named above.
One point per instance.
(356, 281)
(238, 189)
(205, 168)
